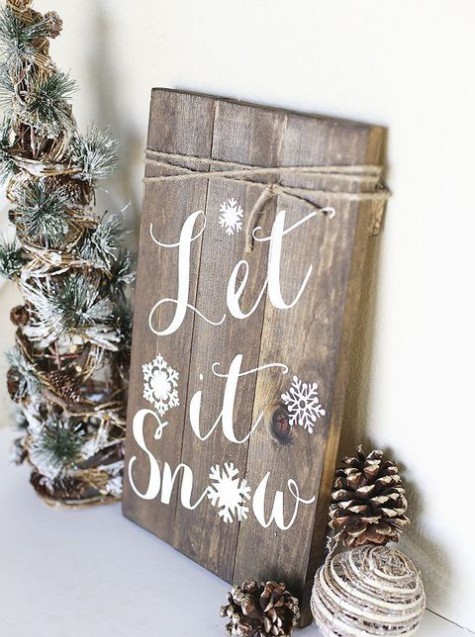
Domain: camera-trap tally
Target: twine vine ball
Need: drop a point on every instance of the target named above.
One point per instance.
(369, 588)
(20, 5)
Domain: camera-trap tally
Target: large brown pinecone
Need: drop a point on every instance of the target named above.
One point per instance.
(368, 501)
(261, 610)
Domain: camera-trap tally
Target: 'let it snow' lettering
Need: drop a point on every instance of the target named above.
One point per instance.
(161, 478)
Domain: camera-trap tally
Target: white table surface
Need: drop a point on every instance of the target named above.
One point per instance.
(92, 573)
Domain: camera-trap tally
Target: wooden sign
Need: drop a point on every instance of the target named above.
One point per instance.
(248, 284)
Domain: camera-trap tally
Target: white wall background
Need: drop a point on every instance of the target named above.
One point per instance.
(405, 64)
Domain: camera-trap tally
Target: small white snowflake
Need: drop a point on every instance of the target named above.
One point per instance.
(303, 404)
(230, 217)
(160, 385)
(228, 493)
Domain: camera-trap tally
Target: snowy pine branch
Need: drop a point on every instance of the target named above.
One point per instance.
(24, 374)
(48, 101)
(43, 216)
(71, 305)
(100, 244)
(17, 39)
(95, 153)
(44, 104)
(7, 165)
(57, 446)
(80, 305)
(11, 258)
(122, 271)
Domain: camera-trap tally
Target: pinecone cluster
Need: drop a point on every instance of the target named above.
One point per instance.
(258, 609)
(368, 501)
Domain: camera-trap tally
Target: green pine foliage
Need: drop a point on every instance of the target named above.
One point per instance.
(95, 153)
(44, 103)
(59, 443)
(43, 216)
(18, 39)
(24, 373)
(100, 245)
(11, 258)
(78, 304)
(47, 102)
(122, 272)
(7, 165)
(71, 306)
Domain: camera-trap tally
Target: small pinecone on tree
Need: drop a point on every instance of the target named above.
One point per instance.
(368, 501)
(258, 609)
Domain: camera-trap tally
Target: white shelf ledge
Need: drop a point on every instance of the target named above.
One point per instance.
(94, 573)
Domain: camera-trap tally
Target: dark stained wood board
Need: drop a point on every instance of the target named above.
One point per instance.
(311, 339)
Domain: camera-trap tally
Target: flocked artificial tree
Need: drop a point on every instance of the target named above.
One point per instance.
(68, 369)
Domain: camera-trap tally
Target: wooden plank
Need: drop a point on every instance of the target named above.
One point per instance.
(313, 342)
(185, 126)
(370, 215)
(250, 136)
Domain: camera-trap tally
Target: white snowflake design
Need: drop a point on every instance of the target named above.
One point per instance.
(228, 492)
(303, 404)
(160, 385)
(231, 216)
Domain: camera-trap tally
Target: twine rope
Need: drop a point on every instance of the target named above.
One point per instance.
(368, 176)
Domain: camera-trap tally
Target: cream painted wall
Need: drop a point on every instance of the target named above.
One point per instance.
(407, 65)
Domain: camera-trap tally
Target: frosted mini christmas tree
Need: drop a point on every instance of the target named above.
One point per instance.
(68, 369)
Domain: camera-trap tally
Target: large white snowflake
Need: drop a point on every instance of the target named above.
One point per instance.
(303, 404)
(160, 385)
(228, 493)
(230, 217)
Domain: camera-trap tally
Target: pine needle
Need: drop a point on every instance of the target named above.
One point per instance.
(79, 304)
(11, 258)
(26, 377)
(7, 165)
(96, 153)
(43, 216)
(17, 39)
(100, 245)
(48, 101)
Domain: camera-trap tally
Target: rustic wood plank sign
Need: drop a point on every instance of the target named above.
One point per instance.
(254, 233)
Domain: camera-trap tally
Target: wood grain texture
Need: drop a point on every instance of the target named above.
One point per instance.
(196, 532)
(313, 338)
(173, 127)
